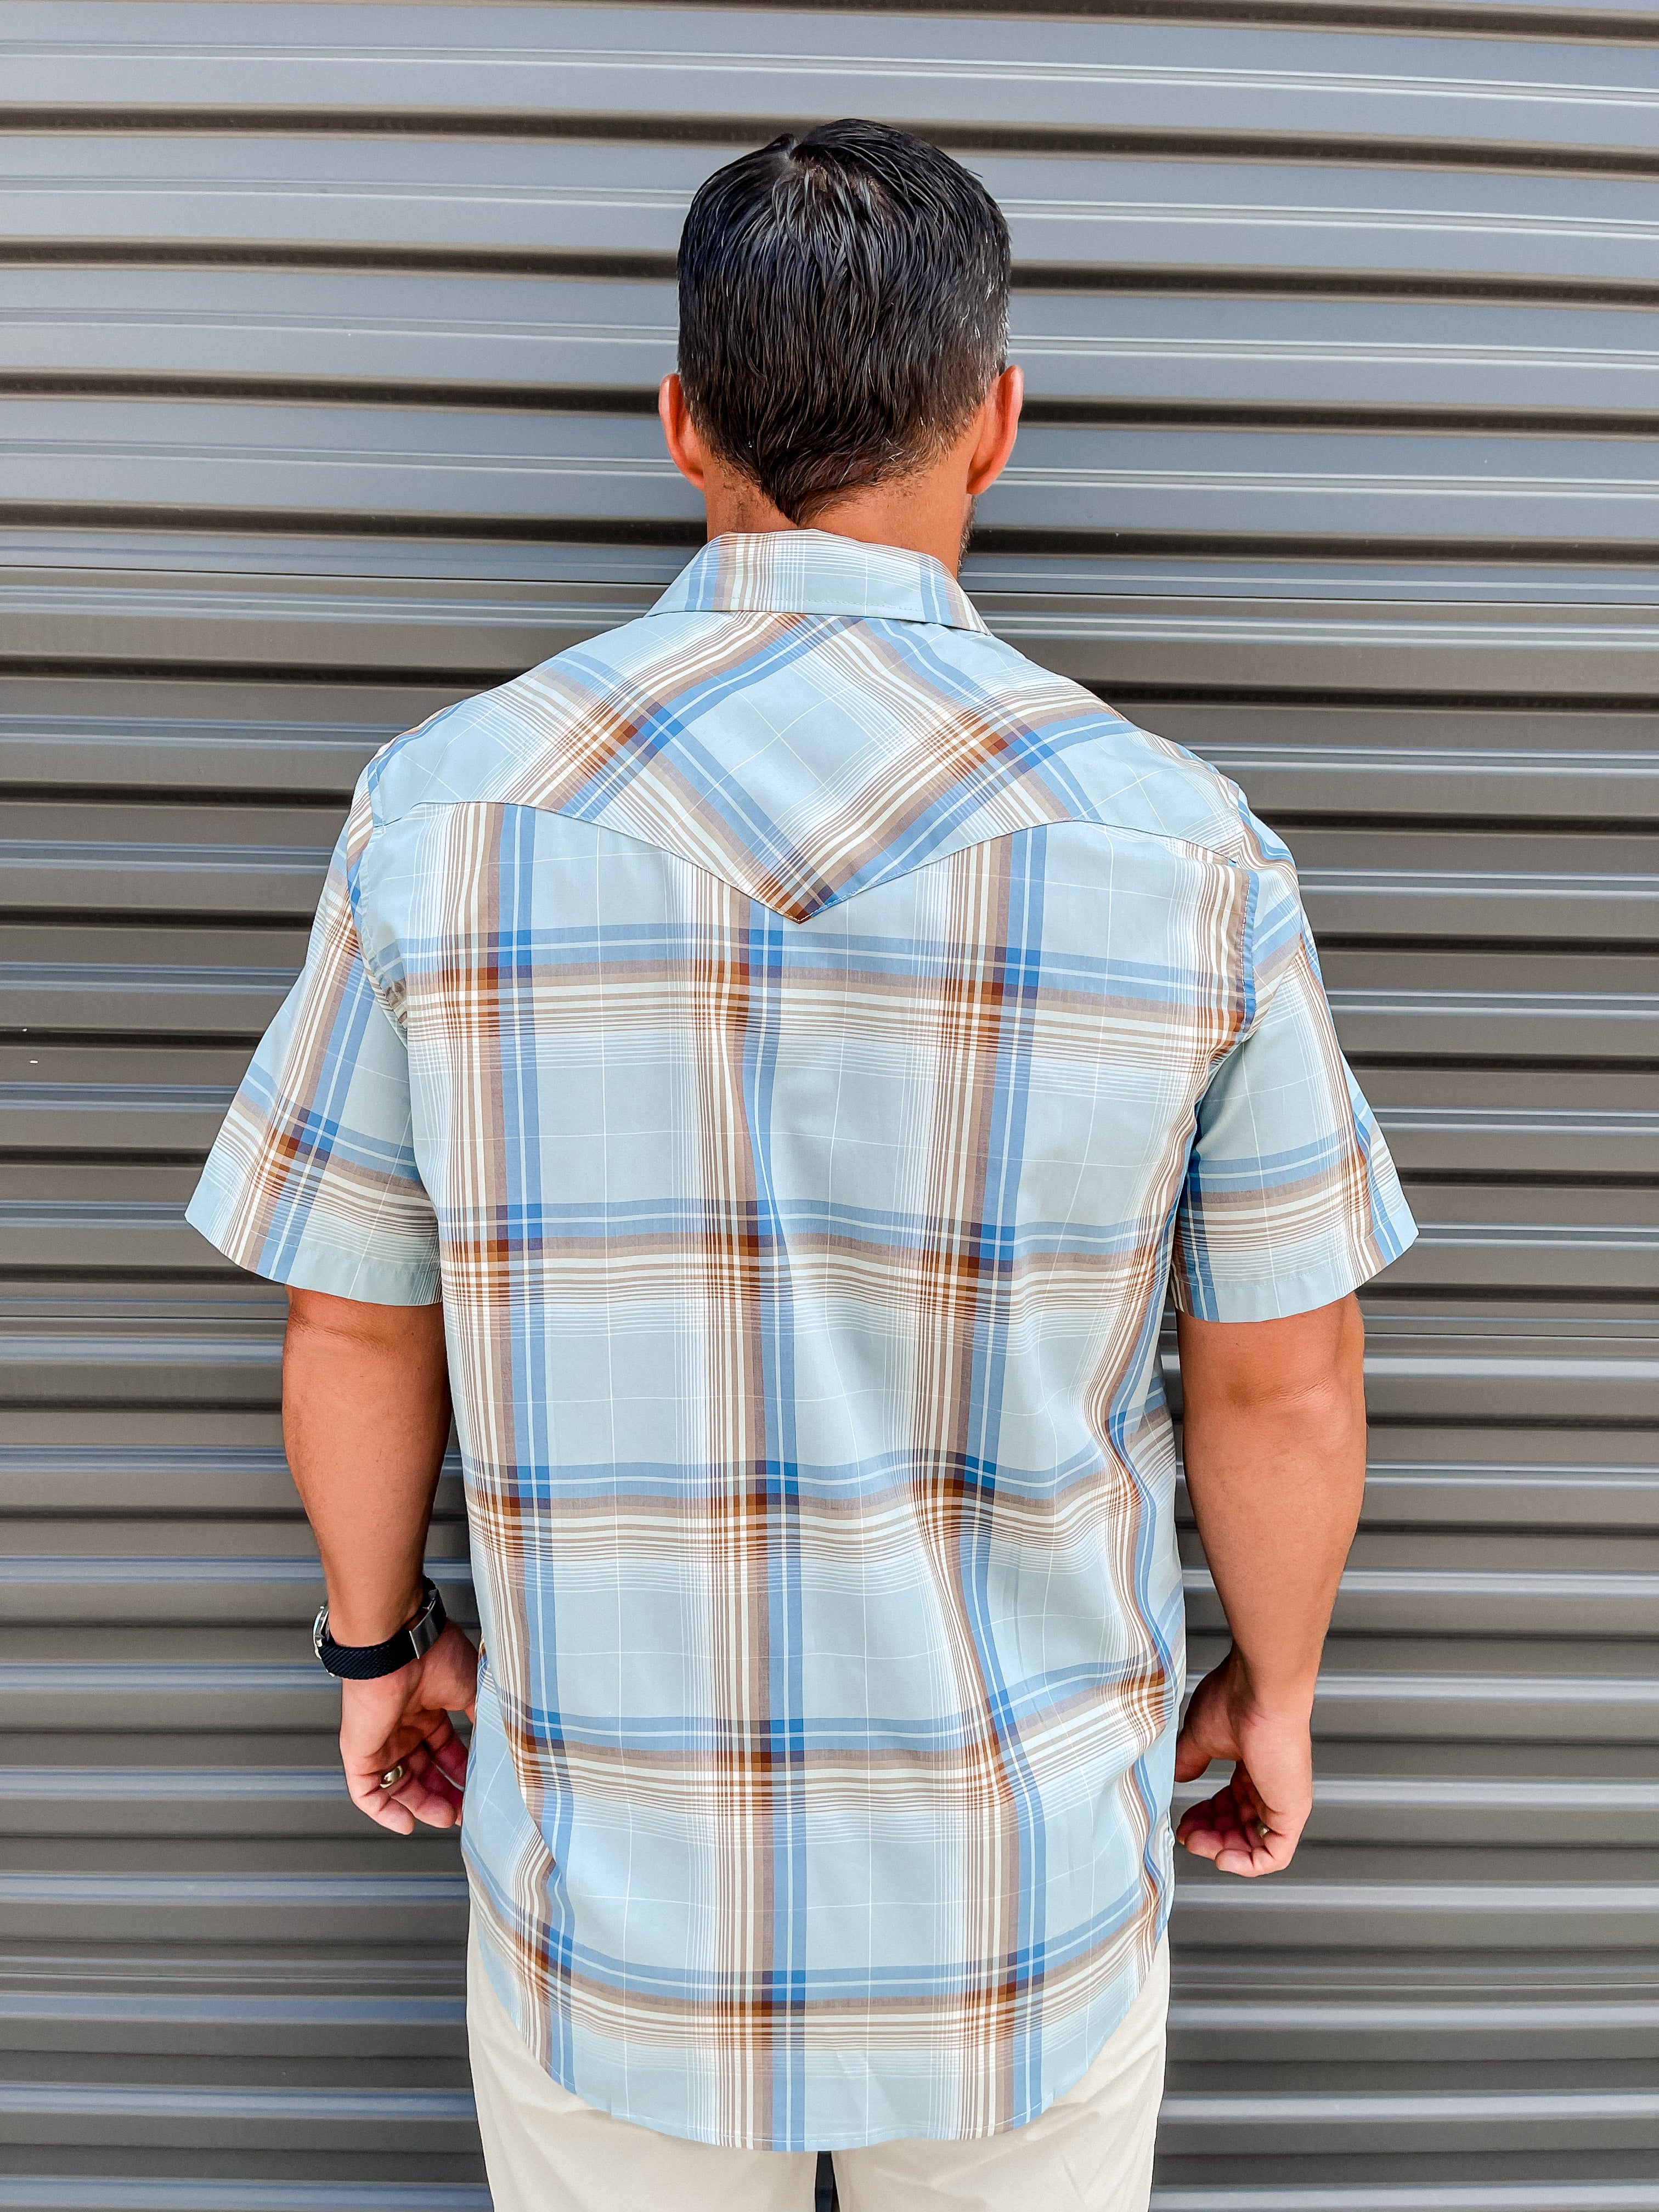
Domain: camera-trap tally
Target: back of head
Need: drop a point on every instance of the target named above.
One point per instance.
(843, 310)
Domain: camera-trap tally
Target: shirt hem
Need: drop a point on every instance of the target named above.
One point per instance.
(508, 1995)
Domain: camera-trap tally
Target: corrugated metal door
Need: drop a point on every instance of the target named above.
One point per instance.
(328, 335)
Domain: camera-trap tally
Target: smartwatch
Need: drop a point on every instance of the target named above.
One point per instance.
(363, 1663)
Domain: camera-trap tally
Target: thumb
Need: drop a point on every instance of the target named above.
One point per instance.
(470, 1708)
(1192, 1757)
(1205, 1734)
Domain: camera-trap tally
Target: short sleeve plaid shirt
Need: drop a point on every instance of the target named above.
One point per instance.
(800, 1039)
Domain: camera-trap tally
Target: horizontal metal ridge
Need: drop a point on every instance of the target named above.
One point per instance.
(1444, 2015)
(244, 2101)
(71, 1568)
(1478, 1120)
(1611, 1588)
(1469, 1900)
(117, 1782)
(1267, 2108)
(19, 1679)
(141, 1352)
(1396, 883)
(1627, 1005)
(160, 2012)
(96, 975)
(1498, 2196)
(72, 2192)
(140, 855)
(130, 1098)
(211, 1892)
(1402, 1366)
(1338, 1685)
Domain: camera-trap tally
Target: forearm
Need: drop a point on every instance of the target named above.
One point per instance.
(365, 1419)
(1276, 1474)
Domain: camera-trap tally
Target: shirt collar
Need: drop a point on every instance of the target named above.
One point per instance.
(811, 572)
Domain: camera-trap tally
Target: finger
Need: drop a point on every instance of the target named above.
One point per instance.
(441, 1764)
(380, 1806)
(1278, 1826)
(1249, 1859)
(1209, 1837)
(1206, 1830)
(451, 1792)
(1221, 1809)
(1259, 1848)
(432, 1777)
(415, 1794)
(431, 1807)
(450, 1758)
(1218, 1826)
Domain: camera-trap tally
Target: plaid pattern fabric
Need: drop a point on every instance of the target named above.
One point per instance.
(800, 1039)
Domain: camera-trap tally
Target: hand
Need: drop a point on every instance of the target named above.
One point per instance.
(1254, 1825)
(403, 1720)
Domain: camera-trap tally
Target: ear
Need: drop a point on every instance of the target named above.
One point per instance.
(999, 427)
(684, 446)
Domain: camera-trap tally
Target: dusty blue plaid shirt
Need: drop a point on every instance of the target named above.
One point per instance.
(799, 1039)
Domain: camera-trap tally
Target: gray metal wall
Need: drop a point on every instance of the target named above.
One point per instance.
(328, 335)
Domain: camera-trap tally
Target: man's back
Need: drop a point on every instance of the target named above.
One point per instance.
(799, 1034)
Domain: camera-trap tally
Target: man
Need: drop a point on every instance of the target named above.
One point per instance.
(767, 1064)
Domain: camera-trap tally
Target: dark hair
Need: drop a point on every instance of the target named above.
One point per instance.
(843, 309)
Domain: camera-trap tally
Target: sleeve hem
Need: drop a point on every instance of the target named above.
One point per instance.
(1278, 1297)
(342, 1274)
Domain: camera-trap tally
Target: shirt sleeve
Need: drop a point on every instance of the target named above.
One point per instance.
(313, 1179)
(1291, 1199)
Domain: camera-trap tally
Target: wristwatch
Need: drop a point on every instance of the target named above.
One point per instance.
(363, 1663)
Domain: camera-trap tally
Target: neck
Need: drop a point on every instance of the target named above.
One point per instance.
(918, 513)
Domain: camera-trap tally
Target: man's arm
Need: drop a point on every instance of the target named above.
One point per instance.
(1275, 1455)
(365, 1419)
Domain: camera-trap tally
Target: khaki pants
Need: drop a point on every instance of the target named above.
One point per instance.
(547, 2151)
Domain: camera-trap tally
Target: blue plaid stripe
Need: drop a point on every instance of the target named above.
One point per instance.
(802, 1040)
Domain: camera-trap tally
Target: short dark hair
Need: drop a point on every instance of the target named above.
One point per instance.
(843, 309)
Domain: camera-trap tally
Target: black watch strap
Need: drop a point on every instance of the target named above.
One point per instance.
(362, 1662)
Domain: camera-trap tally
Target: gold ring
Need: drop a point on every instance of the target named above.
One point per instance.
(391, 1778)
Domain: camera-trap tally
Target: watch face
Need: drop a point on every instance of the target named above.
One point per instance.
(318, 1630)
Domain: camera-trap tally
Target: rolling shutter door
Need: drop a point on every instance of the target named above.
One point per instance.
(328, 337)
